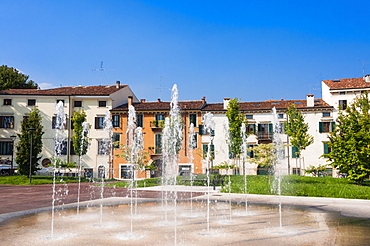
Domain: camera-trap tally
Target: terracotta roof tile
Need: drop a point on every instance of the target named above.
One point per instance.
(154, 106)
(353, 83)
(101, 90)
(268, 105)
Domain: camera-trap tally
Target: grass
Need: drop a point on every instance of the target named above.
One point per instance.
(300, 186)
(37, 180)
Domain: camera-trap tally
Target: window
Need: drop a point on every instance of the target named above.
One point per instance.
(7, 102)
(101, 172)
(60, 147)
(281, 128)
(265, 131)
(251, 129)
(342, 93)
(342, 104)
(99, 122)
(77, 104)
(158, 143)
(249, 116)
(204, 131)
(296, 171)
(6, 148)
(116, 120)
(326, 114)
(205, 150)
(116, 140)
(31, 102)
(56, 123)
(327, 149)
(126, 172)
(159, 117)
(139, 120)
(60, 100)
(326, 126)
(7, 122)
(103, 147)
(193, 142)
(280, 116)
(102, 103)
(72, 149)
(250, 151)
(193, 119)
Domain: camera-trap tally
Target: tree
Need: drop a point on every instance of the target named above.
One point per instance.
(297, 129)
(350, 141)
(11, 78)
(33, 121)
(235, 122)
(264, 156)
(80, 139)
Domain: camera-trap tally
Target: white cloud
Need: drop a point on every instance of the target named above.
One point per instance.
(45, 85)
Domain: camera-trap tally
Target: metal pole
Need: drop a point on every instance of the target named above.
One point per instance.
(30, 174)
(12, 137)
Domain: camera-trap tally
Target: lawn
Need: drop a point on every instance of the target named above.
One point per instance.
(37, 180)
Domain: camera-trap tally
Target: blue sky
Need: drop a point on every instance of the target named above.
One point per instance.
(252, 50)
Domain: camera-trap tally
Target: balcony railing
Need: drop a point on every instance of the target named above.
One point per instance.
(155, 151)
(157, 124)
(265, 135)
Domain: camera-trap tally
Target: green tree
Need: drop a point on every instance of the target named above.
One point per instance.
(235, 123)
(33, 121)
(264, 156)
(80, 139)
(350, 141)
(11, 78)
(297, 130)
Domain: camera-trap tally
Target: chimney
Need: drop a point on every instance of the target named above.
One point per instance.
(159, 100)
(226, 102)
(367, 78)
(129, 101)
(310, 100)
(118, 84)
(142, 100)
(203, 100)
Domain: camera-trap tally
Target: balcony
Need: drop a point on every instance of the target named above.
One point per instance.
(265, 135)
(157, 124)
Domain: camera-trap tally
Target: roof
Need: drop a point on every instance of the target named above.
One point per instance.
(268, 105)
(243, 106)
(159, 105)
(353, 83)
(101, 90)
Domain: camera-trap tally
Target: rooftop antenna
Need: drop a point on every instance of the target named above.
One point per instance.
(101, 70)
(363, 67)
(312, 87)
(160, 87)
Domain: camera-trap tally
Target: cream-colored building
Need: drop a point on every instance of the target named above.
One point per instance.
(317, 114)
(96, 101)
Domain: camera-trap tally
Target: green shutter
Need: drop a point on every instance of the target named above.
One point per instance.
(332, 126)
(294, 152)
(321, 127)
(254, 128)
(201, 130)
(326, 148)
(212, 151)
(271, 127)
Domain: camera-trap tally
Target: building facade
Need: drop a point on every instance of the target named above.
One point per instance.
(96, 101)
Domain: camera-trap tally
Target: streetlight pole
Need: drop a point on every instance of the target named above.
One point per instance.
(12, 137)
(30, 174)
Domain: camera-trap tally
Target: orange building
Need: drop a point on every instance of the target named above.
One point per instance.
(150, 116)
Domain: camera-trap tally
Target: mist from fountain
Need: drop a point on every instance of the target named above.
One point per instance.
(59, 140)
(244, 157)
(279, 152)
(172, 144)
(192, 146)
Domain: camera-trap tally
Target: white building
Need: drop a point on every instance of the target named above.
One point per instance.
(96, 101)
(317, 113)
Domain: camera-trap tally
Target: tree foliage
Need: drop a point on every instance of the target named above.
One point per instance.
(264, 155)
(350, 141)
(297, 130)
(23, 147)
(80, 139)
(11, 78)
(235, 122)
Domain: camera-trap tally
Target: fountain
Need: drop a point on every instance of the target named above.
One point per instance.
(305, 219)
